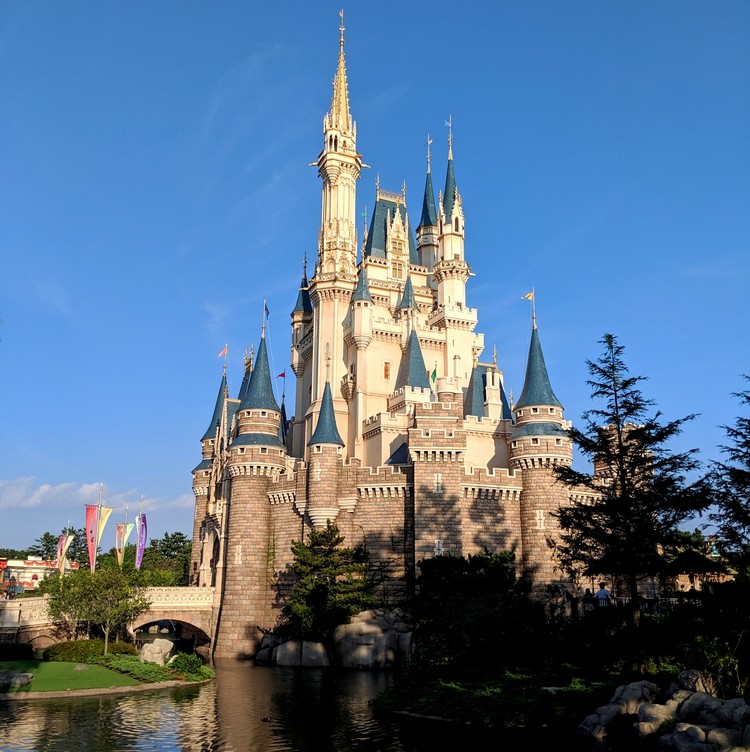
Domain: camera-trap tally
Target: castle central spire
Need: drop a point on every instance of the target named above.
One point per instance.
(340, 116)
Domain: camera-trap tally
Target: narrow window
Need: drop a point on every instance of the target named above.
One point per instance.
(438, 488)
(539, 519)
(438, 550)
(387, 371)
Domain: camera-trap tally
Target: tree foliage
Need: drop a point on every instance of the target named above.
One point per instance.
(45, 546)
(731, 482)
(639, 491)
(331, 584)
(103, 598)
(466, 609)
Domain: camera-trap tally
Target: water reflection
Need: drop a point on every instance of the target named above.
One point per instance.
(247, 709)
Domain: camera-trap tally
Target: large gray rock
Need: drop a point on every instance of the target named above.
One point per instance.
(157, 651)
(15, 678)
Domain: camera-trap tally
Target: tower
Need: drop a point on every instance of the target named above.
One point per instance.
(339, 167)
(256, 460)
(539, 443)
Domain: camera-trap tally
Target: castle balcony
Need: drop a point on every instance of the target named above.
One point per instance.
(457, 317)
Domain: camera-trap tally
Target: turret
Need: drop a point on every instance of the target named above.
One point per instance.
(427, 230)
(325, 456)
(539, 443)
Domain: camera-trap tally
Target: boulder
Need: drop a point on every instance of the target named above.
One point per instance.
(157, 651)
(15, 678)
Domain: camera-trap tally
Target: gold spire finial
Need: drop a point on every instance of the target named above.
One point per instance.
(403, 191)
(328, 361)
(449, 123)
(429, 141)
(342, 28)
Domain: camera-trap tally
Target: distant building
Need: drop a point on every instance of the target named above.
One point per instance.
(25, 575)
(401, 434)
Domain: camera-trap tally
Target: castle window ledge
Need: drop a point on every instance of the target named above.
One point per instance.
(348, 503)
(321, 515)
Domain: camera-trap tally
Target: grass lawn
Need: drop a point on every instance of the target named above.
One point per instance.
(51, 676)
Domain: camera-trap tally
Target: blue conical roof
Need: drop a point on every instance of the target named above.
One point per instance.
(326, 431)
(245, 380)
(476, 391)
(450, 191)
(260, 389)
(412, 371)
(303, 304)
(363, 289)
(536, 387)
(407, 298)
(429, 216)
(218, 407)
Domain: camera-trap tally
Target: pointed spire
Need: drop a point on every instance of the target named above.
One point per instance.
(340, 117)
(246, 375)
(218, 407)
(303, 304)
(429, 216)
(412, 371)
(283, 423)
(259, 394)
(475, 392)
(407, 298)
(363, 289)
(326, 431)
(537, 389)
(449, 194)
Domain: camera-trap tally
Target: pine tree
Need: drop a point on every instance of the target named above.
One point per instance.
(731, 482)
(638, 494)
(331, 584)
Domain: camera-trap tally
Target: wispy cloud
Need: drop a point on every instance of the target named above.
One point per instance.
(25, 493)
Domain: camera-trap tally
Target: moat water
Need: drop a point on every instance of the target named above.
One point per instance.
(245, 709)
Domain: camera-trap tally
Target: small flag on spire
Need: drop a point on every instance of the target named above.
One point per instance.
(528, 296)
(265, 306)
(224, 351)
(282, 375)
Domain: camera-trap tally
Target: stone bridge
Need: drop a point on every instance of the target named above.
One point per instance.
(25, 620)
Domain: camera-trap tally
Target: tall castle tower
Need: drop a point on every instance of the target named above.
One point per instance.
(400, 434)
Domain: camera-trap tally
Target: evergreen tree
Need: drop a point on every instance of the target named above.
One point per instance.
(639, 494)
(331, 584)
(731, 482)
(45, 546)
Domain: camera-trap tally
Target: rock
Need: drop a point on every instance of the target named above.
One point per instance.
(15, 678)
(157, 651)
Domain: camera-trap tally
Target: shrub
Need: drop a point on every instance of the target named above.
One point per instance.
(85, 651)
(186, 664)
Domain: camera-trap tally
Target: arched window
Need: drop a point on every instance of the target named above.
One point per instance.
(456, 223)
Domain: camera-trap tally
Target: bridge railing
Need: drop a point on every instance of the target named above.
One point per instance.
(179, 597)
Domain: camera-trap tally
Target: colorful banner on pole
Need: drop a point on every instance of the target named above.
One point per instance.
(104, 513)
(63, 544)
(92, 531)
(142, 531)
(119, 541)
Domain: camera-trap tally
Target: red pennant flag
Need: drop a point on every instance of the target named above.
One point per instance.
(282, 375)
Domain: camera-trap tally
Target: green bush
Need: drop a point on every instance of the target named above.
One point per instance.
(85, 651)
(186, 664)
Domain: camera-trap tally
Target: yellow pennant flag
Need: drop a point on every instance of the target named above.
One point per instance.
(528, 296)
(104, 513)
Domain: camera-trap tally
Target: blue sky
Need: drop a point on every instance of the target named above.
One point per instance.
(155, 190)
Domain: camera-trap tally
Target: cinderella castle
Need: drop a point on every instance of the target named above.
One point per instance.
(401, 434)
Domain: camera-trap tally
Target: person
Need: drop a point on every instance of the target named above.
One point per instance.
(603, 596)
(588, 600)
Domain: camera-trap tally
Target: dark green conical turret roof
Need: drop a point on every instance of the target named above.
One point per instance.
(218, 408)
(326, 431)
(363, 289)
(429, 216)
(449, 194)
(303, 304)
(260, 389)
(476, 391)
(407, 298)
(412, 371)
(382, 216)
(537, 389)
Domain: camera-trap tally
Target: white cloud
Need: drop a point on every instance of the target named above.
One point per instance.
(25, 493)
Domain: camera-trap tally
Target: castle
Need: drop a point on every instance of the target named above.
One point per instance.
(400, 434)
